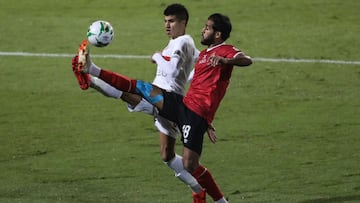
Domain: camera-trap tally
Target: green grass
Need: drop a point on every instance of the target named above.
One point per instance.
(288, 132)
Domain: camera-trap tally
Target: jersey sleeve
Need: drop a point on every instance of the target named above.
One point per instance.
(231, 52)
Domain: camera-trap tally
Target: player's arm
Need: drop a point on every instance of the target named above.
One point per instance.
(191, 75)
(240, 59)
(171, 63)
(196, 55)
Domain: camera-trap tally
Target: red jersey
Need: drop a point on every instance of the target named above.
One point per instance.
(209, 83)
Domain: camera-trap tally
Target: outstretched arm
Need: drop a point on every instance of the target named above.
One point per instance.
(239, 60)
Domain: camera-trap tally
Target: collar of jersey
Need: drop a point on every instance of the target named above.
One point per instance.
(211, 48)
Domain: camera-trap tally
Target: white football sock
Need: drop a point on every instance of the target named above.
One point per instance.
(176, 164)
(94, 70)
(104, 88)
(222, 200)
(143, 106)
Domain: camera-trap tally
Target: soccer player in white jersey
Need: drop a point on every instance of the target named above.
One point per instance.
(174, 69)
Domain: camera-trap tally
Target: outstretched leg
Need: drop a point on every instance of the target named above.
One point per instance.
(148, 91)
(151, 93)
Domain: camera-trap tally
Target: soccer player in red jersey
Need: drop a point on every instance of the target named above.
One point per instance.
(194, 112)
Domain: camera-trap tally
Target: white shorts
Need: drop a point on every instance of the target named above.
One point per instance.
(163, 125)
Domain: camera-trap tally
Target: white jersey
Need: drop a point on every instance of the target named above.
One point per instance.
(175, 63)
(174, 70)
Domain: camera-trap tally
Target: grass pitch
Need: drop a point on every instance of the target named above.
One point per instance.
(288, 132)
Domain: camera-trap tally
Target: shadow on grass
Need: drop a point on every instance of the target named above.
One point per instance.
(333, 199)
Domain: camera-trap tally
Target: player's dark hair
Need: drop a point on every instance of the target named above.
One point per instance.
(222, 24)
(177, 10)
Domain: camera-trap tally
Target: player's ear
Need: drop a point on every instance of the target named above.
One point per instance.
(217, 34)
(184, 22)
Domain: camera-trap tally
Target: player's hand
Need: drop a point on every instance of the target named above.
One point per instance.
(211, 133)
(216, 60)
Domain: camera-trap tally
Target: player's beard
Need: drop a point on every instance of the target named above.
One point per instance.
(208, 40)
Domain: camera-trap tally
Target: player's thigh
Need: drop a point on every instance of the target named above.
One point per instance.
(190, 159)
(193, 128)
(166, 127)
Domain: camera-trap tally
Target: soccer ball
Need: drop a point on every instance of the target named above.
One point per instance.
(100, 33)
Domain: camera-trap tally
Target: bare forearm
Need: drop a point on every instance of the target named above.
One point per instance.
(240, 60)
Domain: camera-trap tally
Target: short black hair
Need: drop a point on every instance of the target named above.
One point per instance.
(177, 10)
(222, 24)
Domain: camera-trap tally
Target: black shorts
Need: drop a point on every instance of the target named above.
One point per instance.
(191, 125)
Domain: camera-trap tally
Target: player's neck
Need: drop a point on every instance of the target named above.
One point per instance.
(215, 44)
(178, 35)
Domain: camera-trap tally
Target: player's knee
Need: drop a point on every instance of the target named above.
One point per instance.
(190, 159)
(190, 165)
(165, 157)
(166, 153)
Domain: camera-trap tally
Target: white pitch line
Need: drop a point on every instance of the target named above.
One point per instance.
(58, 55)
(307, 61)
(119, 56)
